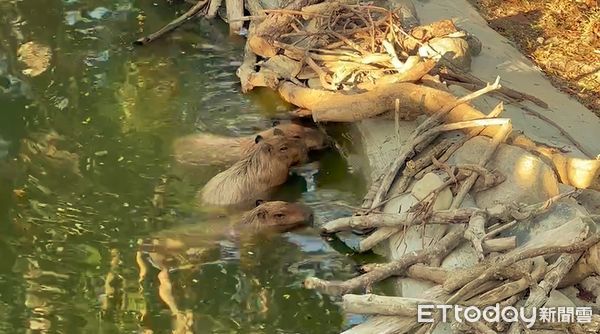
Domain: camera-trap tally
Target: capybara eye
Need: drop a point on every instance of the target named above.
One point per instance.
(283, 148)
(279, 215)
(297, 137)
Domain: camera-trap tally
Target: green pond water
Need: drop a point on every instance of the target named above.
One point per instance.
(84, 149)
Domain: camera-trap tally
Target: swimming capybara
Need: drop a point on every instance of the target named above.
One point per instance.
(209, 149)
(189, 247)
(251, 178)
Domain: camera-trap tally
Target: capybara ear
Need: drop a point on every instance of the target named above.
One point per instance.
(276, 122)
(278, 132)
(258, 139)
(259, 202)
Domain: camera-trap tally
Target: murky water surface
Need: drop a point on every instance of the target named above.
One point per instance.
(84, 152)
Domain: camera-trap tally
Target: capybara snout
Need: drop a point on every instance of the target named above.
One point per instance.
(278, 216)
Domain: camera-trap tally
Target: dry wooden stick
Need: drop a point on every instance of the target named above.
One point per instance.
(235, 9)
(462, 125)
(375, 238)
(499, 244)
(460, 75)
(512, 288)
(503, 212)
(519, 255)
(499, 137)
(555, 273)
(320, 72)
(368, 199)
(494, 113)
(500, 229)
(476, 232)
(414, 166)
(383, 305)
(397, 220)
(539, 293)
(389, 48)
(190, 14)
(444, 246)
(587, 265)
(466, 185)
(408, 149)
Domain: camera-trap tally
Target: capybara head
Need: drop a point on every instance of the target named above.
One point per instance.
(277, 216)
(312, 138)
(265, 167)
(288, 150)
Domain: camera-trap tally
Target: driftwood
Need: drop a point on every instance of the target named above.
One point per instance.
(423, 134)
(235, 10)
(504, 212)
(444, 246)
(511, 288)
(384, 305)
(566, 237)
(472, 133)
(476, 229)
(461, 76)
(414, 99)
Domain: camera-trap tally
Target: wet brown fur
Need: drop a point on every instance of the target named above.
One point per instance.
(251, 178)
(198, 241)
(209, 149)
(190, 247)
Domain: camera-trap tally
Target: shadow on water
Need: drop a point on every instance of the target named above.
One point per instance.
(84, 145)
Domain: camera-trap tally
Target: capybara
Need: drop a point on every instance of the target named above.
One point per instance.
(190, 247)
(251, 178)
(209, 149)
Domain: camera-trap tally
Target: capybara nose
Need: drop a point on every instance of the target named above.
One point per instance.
(308, 214)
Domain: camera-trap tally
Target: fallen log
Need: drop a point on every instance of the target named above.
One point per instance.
(415, 99)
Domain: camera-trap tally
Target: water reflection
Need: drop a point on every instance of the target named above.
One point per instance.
(84, 163)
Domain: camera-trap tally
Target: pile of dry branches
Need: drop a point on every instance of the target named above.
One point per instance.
(340, 45)
(342, 62)
(505, 275)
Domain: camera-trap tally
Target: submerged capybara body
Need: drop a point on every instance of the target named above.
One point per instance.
(200, 242)
(190, 247)
(252, 177)
(209, 149)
